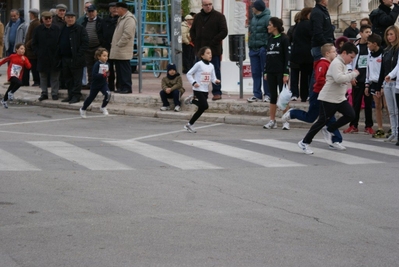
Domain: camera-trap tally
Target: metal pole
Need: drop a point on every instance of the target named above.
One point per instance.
(240, 57)
(176, 39)
(139, 44)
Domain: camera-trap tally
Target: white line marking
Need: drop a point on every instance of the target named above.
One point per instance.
(327, 154)
(9, 162)
(65, 136)
(242, 154)
(371, 148)
(80, 156)
(168, 157)
(54, 120)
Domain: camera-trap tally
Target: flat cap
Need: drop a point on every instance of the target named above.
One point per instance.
(70, 14)
(353, 21)
(61, 6)
(46, 14)
(112, 4)
(34, 11)
(121, 4)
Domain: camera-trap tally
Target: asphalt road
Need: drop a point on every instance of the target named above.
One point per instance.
(130, 191)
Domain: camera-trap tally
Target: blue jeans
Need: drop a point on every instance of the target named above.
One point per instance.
(258, 60)
(311, 115)
(316, 53)
(216, 88)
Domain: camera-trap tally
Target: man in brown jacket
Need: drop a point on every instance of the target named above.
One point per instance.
(34, 23)
(209, 29)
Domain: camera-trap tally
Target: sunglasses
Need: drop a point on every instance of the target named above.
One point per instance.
(47, 18)
(207, 4)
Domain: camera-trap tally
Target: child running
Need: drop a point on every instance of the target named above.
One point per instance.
(17, 63)
(99, 84)
(200, 76)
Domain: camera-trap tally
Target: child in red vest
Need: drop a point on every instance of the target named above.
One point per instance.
(16, 65)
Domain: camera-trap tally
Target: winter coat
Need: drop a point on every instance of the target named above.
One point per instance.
(58, 22)
(20, 37)
(322, 30)
(79, 42)
(107, 30)
(209, 29)
(29, 37)
(98, 26)
(302, 43)
(258, 34)
(173, 84)
(185, 33)
(14, 61)
(45, 47)
(382, 18)
(123, 38)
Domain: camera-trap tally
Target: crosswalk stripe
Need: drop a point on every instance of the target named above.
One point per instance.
(242, 154)
(163, 155)
(80, 156)
(328, 154)
(9, 162)
(376, 149)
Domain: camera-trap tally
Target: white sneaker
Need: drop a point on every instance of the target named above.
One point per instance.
(165, 108)
(287, 116)
(337, 146)
(4, 103)
(104, 111)
(286, 126)
(266, 99)
(188, 100)
(253, 99)
(82, 113)
(270, 125)
(10, 96)
(327, 135)
(390, 138)
(189, 128)
(177, 108)
(294, 98)
(305, 148)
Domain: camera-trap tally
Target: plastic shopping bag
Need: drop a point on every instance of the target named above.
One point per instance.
(284, 97)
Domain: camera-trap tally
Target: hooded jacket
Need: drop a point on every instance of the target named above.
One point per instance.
(258, 35)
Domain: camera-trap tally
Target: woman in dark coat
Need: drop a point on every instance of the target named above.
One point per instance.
(301, 58)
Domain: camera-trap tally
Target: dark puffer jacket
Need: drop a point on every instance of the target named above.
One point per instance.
(258, 34)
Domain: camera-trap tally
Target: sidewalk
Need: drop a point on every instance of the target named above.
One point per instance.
(231, 109)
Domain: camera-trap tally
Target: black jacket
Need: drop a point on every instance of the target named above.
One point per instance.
(302, 43)
(107, 29)
(58, 22)
(45, 47)
(322, 29)
(79, 42)
(278, 54)
(382, 18)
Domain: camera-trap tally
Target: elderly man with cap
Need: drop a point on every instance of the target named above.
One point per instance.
(34, 23)
(107, 30)
(188, 46)
(92, 24)
(15, 32)
(45, 47)
(257, 43)
(59, 17)
(73, 43)
(351, 31)
(122, 47)
(82, 18)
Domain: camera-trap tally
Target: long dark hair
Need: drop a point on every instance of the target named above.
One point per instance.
(277, 23)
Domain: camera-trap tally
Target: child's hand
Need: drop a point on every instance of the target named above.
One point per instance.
(23, 58)
(265, 77)
(196, 85)
(104, 74)
(387, 78)
(217, 81)
(366, 91)
(285, 79)
(356, 71)
(168, 90)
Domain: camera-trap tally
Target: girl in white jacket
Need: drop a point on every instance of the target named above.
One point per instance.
(200, 76)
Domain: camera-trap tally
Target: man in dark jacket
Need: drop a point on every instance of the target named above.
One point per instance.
(383, 17)
(34, 23)
(351, 31)
(322, 30)
(45, 47)
(59, 17)
(73, 43)
(209, 29)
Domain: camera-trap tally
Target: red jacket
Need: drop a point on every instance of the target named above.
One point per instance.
(320, 70)
(16, 65)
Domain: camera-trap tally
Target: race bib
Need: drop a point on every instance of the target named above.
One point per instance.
(103, 68)
(205, 78)
(15, 70)
(362, 62)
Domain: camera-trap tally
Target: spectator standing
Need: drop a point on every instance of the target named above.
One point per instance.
(188, 46)
(257, 43)
(209, 29)
(59, 17)
(45, 47)
(1, 39)
(172, 87)
(73, 43)
(322, 30)
(92, 24)
(81, 19)
(34, 23)
(301, 57)
(15, 32)
(122, 47)
(352, 31)
(383, 17)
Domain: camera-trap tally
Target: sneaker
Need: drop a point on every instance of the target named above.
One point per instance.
(294, 98)
(177, 108)
(389, 133)
(189, 100)
(337, 146)
(266, 99)
(104, 111)
(165, 108)
(327, 135)
(253, 99)
(379, 134)
(305, 148)
(270, 125)
(369, 130)
(4, 103)
(351, 129)
(286, 126)
(287, 116)
(10, 96)
(390, 138)
(189, 128)
(82, 113)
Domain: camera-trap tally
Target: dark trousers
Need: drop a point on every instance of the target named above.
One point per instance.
(188, 57)
(328, 110)
(73, 77)
(175, 94)
(94, 92)
(202, 103)
(124, 75)
(304, 73)
(15, 83)
(357, 96)
(217, 88)
(90, 60)
(275, 81)
(35, 73)
(111, 76)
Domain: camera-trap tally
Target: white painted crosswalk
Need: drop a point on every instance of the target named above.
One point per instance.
(266, 153)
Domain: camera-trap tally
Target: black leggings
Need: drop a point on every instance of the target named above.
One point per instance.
(15, 83)
(275, 81)
(202, 103)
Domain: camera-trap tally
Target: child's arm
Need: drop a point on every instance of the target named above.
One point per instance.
(4, 60)
(27, 64)
(190, 74)
(163, 83)
(320, 72)
(340, 75)
(178, 84)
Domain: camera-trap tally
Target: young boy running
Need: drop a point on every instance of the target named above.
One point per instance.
(332, 98)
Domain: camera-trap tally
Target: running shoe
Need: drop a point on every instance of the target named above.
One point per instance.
(305, 148)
